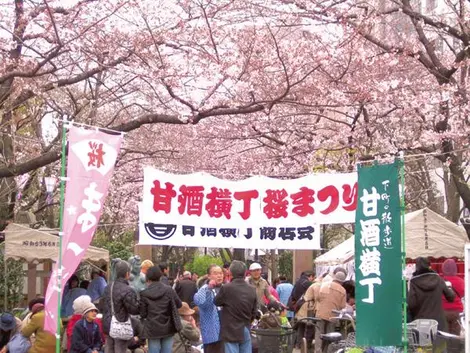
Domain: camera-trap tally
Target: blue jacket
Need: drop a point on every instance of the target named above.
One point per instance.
(96, 288)
(209, 316)
(285, 290)
(67, 301)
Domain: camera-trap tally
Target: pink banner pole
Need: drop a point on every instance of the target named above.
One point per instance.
(61, 232)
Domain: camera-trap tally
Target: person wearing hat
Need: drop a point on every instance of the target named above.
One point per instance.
(425, 294)
(189, 334)
(86, 336)
(186, 288)
(44, 341)
(79, 306)
(329, 296)
(9, 326)
(453, 309)
(260, 284)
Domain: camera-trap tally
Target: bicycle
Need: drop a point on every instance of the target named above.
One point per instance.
(347, 323)
(327, 338)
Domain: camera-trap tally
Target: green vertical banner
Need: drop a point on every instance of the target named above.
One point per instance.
(378, 257)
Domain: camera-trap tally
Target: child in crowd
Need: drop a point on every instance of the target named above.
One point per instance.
(275, 318)
(86, 337)
(79, 306)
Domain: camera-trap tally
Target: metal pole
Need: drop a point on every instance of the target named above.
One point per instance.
(401, 166)
(5, 284)
(61, 233)
(467, 301)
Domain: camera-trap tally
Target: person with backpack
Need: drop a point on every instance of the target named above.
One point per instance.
(297, 301)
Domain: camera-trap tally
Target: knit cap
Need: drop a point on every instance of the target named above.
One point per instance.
(449, 268)
(89, 307)
(80, 304)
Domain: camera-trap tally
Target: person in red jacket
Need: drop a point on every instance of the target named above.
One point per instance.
(79, 306)
(452, 310)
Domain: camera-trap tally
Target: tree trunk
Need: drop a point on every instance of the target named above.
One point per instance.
(452, 199)
(239, 254)
(7, 185)
(274, 265)
(455, 167)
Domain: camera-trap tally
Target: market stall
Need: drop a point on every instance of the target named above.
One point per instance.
(427, 234)
(35, 246)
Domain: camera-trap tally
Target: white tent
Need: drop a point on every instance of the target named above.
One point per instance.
(39, 245)
(426, 234)
(36, 246)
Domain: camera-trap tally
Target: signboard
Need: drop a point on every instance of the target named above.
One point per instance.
(378, 257)
(204, 211)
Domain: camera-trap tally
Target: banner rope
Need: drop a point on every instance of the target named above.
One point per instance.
(92, 127)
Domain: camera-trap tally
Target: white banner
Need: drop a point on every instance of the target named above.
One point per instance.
(201, 210)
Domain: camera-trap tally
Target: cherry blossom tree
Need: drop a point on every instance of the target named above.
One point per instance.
(279, 87)
(126, 64)
(403, 79)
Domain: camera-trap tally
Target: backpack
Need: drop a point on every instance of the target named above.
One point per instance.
(295, 305)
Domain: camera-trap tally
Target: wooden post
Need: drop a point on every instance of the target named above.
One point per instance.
(144, 251)
(32, 269)
(47, 268)
(302, 261)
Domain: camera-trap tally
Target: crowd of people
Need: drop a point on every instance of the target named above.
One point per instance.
(214, 312)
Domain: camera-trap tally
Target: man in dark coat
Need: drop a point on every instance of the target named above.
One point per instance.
(186, 288)
(125, 304)
(159, 306)
(425, 294)
(239, 307)
(300, 287)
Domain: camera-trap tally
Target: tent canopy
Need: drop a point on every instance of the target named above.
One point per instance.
(28, 244)
(427, 234)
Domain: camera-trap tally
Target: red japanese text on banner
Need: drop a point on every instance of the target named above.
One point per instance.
(90, 164)
(260, 212)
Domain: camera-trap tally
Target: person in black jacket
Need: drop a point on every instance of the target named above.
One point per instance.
(425, 294)
(159, 306)
(239, 307)
(86, 336)
(125, 304)
(186, 288)
(300, 287)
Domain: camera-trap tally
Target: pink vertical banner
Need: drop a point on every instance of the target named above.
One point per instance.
(91, 158)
